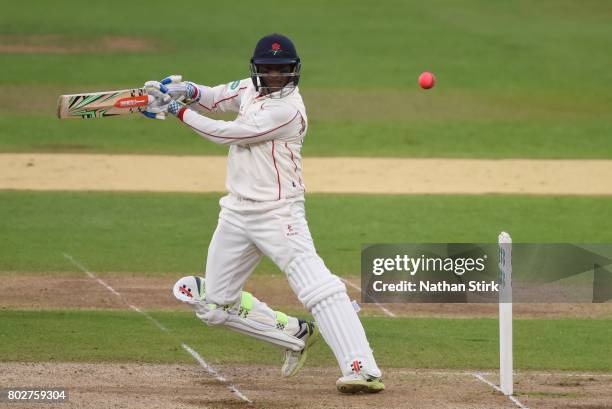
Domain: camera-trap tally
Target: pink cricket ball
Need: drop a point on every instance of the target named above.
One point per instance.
(427, 80)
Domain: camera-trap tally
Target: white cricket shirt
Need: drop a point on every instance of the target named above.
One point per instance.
(264, 161)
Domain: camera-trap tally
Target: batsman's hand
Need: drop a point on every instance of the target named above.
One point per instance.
(179, 90)
(158, 100)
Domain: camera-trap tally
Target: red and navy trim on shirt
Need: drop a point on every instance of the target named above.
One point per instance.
(181, 113)
(277, 172)
(220, 101)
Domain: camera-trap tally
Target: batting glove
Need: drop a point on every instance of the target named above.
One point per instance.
(181, 90)
(158, 100)
(174, 107)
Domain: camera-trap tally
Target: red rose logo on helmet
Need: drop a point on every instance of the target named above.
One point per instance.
(276, 48)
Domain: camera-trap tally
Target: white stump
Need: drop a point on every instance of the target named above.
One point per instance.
(505, 314)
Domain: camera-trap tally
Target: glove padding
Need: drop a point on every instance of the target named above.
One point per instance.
(174, 107)
(179, 90)
(166, 95)
(158, 105)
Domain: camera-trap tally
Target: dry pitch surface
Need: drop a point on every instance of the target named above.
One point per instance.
(148, 386)
(322, 175)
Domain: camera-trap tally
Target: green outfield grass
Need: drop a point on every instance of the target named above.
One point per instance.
(414, 343)
(161, 233)
(344, 44)
(585, 139)
(515, 78)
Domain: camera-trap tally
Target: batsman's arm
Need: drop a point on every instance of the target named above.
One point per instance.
(271, 123)
(222, 98)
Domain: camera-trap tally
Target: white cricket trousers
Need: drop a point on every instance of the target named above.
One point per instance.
(246, 231)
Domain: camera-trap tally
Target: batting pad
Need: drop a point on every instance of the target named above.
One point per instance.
(343, 332)
(254, 318)
(324, 294)
(249, 316)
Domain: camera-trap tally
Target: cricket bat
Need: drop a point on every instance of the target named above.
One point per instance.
(102, 104)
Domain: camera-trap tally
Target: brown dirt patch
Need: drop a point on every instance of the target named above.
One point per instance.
(323, 175)
(563, 390)
(58, 44)
(154, 293)
(149, 386)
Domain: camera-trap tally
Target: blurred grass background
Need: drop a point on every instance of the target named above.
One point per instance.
(515, 78)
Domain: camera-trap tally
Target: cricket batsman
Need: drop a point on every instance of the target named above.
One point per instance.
(263, 214)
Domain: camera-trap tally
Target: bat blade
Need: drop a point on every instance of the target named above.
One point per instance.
(102, 104)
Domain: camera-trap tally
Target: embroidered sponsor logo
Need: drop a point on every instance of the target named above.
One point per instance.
(234, 85)
(291, 231)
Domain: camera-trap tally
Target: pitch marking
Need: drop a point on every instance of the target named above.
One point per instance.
(211, 371)
(356, 287)
(497, 388)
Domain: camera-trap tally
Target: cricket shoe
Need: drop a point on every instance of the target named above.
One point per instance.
(360, 382)
(294, 360)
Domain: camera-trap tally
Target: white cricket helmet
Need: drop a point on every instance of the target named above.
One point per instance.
(189, 289)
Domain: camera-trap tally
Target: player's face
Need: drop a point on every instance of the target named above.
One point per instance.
(275, 75)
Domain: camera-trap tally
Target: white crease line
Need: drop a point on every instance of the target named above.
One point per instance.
(214, 373)
(491, 384)
(135, 308)
(153, 320)
(497, 388)
(159, 325)
(356, 287)
(108, 287)
(150, 318)
(90, 274)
